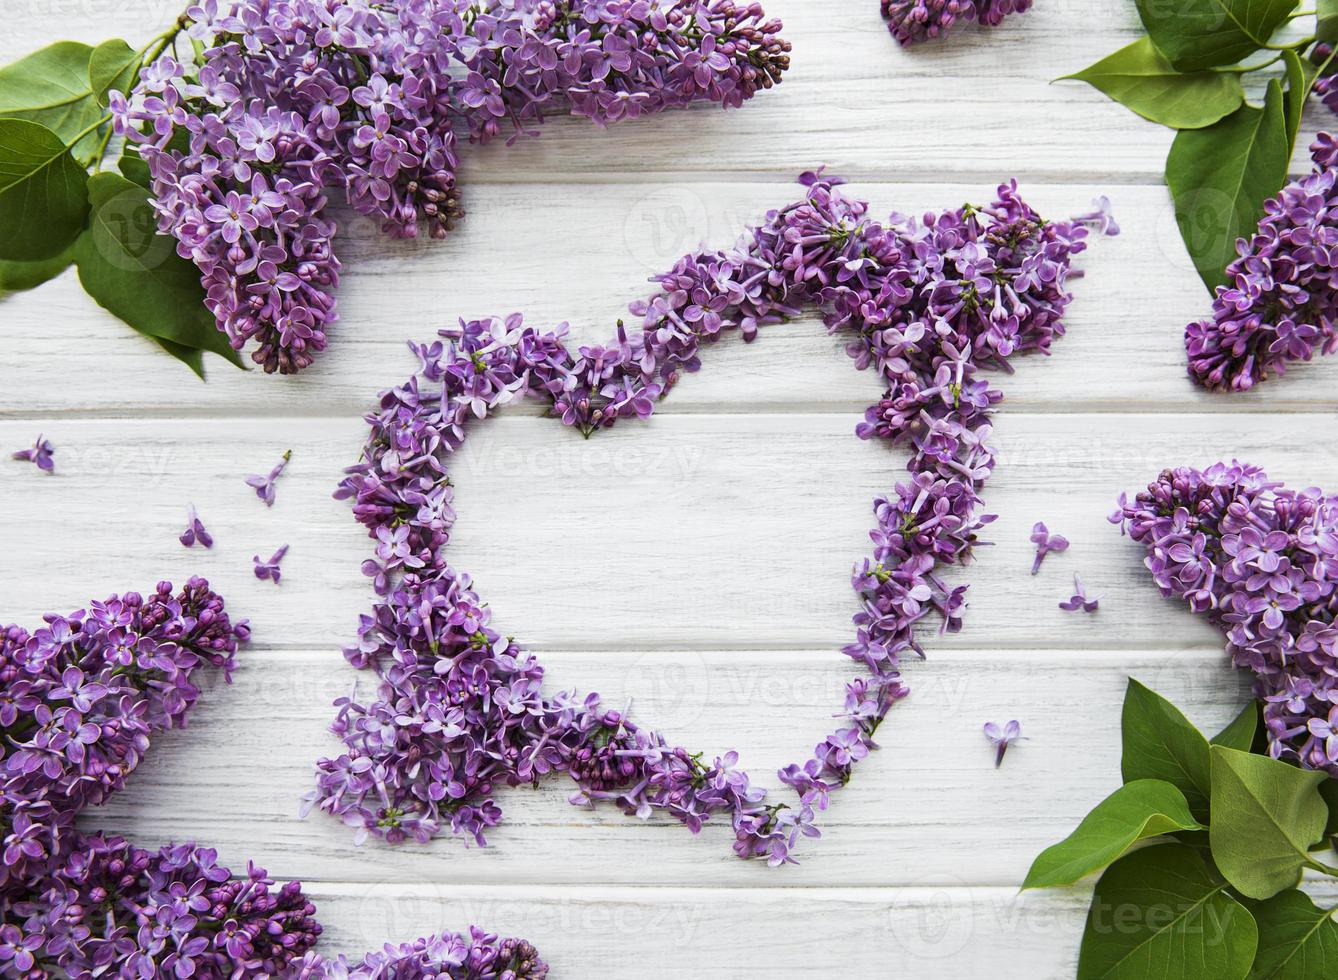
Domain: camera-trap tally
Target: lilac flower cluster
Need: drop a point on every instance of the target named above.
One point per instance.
(1281, 304)
(912, 21)
(79, 700)
(291, 97)
(451, 956)
(1262, 562)
(459, 711)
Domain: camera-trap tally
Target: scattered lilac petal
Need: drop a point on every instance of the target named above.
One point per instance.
(1002, 737)
(270, 569)
(195, 531)
(1080, 599)
(264, 485)
(40, 454)
(1045, 543)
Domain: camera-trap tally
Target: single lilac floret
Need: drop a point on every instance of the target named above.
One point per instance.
(270, 569)
(264, 485)
(40, 455)
(1002, 737)
(1080, 599)
(1045, 543)
(195, 531)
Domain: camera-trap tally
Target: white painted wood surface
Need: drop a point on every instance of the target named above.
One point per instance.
(699, 563)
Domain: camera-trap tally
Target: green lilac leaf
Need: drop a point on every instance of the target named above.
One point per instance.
(1136, 811)
(1159, 915)
(1198, 34)
(1220, 177)
(50, 87)
(1297, 939)
(137, 275)
(1329, 791)
(1266, 814)
(133, 168)
(1327, 15)
(18, 276)
(1301, 75)
(43, 193)
(1140, 78)
(113, 66)
(1161, 743)
(192, 357)
(1239, 735)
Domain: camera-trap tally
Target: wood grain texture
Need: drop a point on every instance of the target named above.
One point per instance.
(696, 566)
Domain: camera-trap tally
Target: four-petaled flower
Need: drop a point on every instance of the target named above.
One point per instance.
(1080, 599)
(1045, 543)
(40, 454)
(270, 569)
(1002, 737)
(264, 485)
(195, 531)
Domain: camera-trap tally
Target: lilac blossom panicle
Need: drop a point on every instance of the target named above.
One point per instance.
(289, 98)
(80, 700)
(40, 455)
(1045, 543)
(929, 304)
(264, 485)
(1001, 737)
(1280, 302)
(1261, 561)
(913, 21)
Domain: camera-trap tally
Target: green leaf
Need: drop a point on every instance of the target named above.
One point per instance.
(133, 168)
(135, 273)
(1327, 11)
(1138, 810)
(1220, 178)
(50, 87)
(1297, 939)
(1329, 791)
(18, 276)
(1140, 78)
(1161, 743)
(1301, 75)
(1266, 814)
(1159, 915)
(1239, 735)
(192, 357)
(114, 65)
(43, 192)
(1197, 34)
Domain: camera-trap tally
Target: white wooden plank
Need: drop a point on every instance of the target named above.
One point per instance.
(1124, 351)
(939, 929)
(731, 531)
(930, 802)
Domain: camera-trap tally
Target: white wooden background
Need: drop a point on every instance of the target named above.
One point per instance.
(699, 563)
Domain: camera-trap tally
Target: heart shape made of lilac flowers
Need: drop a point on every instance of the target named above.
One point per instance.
(927, 303)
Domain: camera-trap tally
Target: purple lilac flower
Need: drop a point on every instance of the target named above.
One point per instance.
(290, 97)
(1002, 737)
(1261, 561)
(461, 709)
(1280, 304)
(195, 531)
(80, 699)
(264, 485)
(912, 21)
(40, 455)
(1045, 543)
(1080, 599)
(270, 569)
